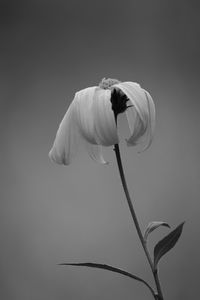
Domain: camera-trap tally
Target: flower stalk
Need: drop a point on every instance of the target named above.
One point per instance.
(158, 295)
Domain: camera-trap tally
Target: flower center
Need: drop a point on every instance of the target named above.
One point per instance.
(107, 83)
(119, 102)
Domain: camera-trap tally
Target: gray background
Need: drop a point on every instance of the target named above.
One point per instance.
(51, 214)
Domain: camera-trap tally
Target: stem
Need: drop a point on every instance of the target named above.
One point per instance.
(158, 286)
(159, 296)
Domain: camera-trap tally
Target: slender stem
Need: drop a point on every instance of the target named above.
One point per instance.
(135, 220)
(158, 286)
(121, 171)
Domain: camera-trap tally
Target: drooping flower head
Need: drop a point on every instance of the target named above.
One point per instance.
(92, 119)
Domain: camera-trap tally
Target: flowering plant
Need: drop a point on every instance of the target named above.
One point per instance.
(92, 119)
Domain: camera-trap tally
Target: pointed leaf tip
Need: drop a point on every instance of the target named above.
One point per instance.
(167, 243)
(109, 268)
(104, 267)
(152, 226)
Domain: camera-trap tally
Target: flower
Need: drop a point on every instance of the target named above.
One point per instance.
(92, 119)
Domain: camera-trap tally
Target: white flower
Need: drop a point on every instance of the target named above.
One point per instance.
(92, 118)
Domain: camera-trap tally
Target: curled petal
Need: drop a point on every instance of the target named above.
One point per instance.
(83, 104)
(67, 138)
(151, 120)
(141, 117)
(95, 152)
(136, 126)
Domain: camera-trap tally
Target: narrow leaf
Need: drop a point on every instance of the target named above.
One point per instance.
(103, 266)
(167, 243)
(109, 268)
(152, 226)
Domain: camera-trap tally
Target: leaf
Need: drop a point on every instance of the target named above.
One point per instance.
(152, 226)
(105, 267)
(167, 243)
(109, 268)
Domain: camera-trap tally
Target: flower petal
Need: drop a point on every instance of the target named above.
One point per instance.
(104, 121)
(152, 119)
(83, 103)
(90, 120)
(141, 117)
(95, 152)
(67, 138)
(136, 126)
(95, 117)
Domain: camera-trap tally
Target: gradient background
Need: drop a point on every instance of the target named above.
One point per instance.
(51, 214)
